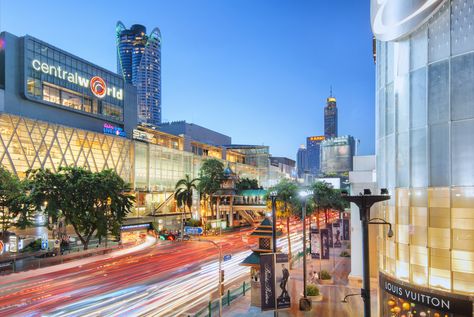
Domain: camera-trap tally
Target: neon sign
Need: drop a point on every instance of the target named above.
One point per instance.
(96, 84)
(113, 130)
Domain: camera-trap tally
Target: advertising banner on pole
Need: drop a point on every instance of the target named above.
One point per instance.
(315, 243)
(336, 234)
(330, 236)
(274, 275)
(267, 281)
(325, 244)
(346, 229)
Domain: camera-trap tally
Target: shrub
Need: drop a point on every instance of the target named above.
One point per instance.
(324, 275)
(33, 246)
(193, 223)
(345, 254)
(312, 290)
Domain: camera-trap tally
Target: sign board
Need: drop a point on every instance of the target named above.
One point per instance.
(330, 235)
(13, 241)
(227, 257)
(2, 246)
(420, 301)
(325, 244)
(346, 229)
(315, 243)
(142, 135)
(274, 275)
(44, 244)
(193, 230)
(336, 234)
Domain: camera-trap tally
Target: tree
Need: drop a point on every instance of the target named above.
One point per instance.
(183, 192)
(247, 183)
(15, 210)
(93, 203)
(286, 204)
(325, 197)
(211, 175)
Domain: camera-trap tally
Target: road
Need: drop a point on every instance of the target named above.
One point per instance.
(167, 279)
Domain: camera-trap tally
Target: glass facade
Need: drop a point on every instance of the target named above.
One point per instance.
(57, 78)
(425, 155)
(139, 62)
(29, 144)
(330, 118)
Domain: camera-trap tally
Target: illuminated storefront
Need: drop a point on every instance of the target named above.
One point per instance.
(425, 122)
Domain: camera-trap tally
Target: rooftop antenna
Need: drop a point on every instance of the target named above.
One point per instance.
(330, 91)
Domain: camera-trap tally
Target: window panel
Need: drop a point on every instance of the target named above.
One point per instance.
(462, 86)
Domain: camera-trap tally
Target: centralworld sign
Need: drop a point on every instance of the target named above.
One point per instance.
(96, 84)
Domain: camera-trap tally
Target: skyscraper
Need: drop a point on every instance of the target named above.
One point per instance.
(301, 161)
(330, 118)
(139, 62)
(313, 145)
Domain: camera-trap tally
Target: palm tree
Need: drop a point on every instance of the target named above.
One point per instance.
(286, 205)
(183, 193)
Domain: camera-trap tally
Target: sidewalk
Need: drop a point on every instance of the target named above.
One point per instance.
(331, 306)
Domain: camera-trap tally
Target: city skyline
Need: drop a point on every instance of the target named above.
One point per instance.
(193, 74)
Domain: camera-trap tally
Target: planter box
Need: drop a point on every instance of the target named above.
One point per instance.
(315, 299)
(326, 282)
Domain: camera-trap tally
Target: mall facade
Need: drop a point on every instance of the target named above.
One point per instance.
(425, 154)
(57, 109)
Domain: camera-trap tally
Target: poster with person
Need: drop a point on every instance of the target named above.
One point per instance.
(330, 236)
(315, 243)
(274, 276)
(346, 229)
(325, 244)
(282, 274)
(336, 232)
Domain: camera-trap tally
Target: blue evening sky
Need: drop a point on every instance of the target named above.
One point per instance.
(256, 70)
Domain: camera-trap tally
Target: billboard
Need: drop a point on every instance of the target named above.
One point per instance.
(274, 276)
(346, 229)
(330, 236)
(336, 234)
(315, 243)
(325, 244)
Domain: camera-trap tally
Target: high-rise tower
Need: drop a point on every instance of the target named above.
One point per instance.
(330, 118)
(139, 62)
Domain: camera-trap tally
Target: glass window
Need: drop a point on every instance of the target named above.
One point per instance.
(390, 113)
(439, 155)
(71, 100)
(438, 92)
(111, 110)
(439, 34)
(51, 94)
(402, 103)
(419, 170)
(462, 22)
(419, 49)
(462, 153)
(418, 98)
(403, 159)
(462, 86)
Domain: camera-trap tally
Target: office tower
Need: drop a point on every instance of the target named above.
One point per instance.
(139, 62)
(313, 145)
(330, 118)
(301, 160)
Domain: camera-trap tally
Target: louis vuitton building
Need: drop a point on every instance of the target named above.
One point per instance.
(425, 155)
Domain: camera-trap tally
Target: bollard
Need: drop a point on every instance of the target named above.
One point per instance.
(210, 308)
(228, 297)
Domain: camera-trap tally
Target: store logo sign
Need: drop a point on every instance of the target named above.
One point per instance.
(111, 129)
(96, 84)
(393, 19)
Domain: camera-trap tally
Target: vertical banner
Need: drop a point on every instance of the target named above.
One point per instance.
(267, 281)
(330, 236)
(325, 244)
(315, 243)
(336, 234)
(282, 274)
(345, 229)
(274, 276)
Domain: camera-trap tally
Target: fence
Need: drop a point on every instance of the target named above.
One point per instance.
(227, 298)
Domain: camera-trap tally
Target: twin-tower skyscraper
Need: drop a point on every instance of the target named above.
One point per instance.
(139, 62)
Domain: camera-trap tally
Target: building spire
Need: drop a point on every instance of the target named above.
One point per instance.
(330, 91)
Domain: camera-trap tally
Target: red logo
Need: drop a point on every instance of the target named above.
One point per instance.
(98, 87)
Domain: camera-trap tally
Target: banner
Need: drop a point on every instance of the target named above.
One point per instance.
(325, 244)
(274, 275)
(346, 229)
(267, 281)
(330, 236)
(315, 243)
(336, 234)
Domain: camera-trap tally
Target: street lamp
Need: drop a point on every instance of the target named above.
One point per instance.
(305, 303)
(364, 202)
(349, 295)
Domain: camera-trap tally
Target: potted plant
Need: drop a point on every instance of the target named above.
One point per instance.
(325, 277)
(345, 254)
(312, 292)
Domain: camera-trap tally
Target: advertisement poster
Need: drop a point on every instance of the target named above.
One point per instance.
(345, 229)
(330, 235)
(13, 241)
(274, 276)
(325, 244)
(282, 274)
(336, 234)
(315, 243)
(267, 281)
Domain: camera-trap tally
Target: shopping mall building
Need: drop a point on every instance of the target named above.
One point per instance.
(425, 155)
(57, 109)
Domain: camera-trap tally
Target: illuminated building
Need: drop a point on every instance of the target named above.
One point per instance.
(337, 154)
(424, 97)
(330, 118)
(313, 147)
(302, 161)
(139, 62)
(60, 110)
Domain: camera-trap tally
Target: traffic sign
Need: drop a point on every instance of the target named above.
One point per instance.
(227, 257)
(44, 244)
(193, 230)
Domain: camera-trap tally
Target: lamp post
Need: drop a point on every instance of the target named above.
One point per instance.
(365, 202)
(273, 197)
(305, 303)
